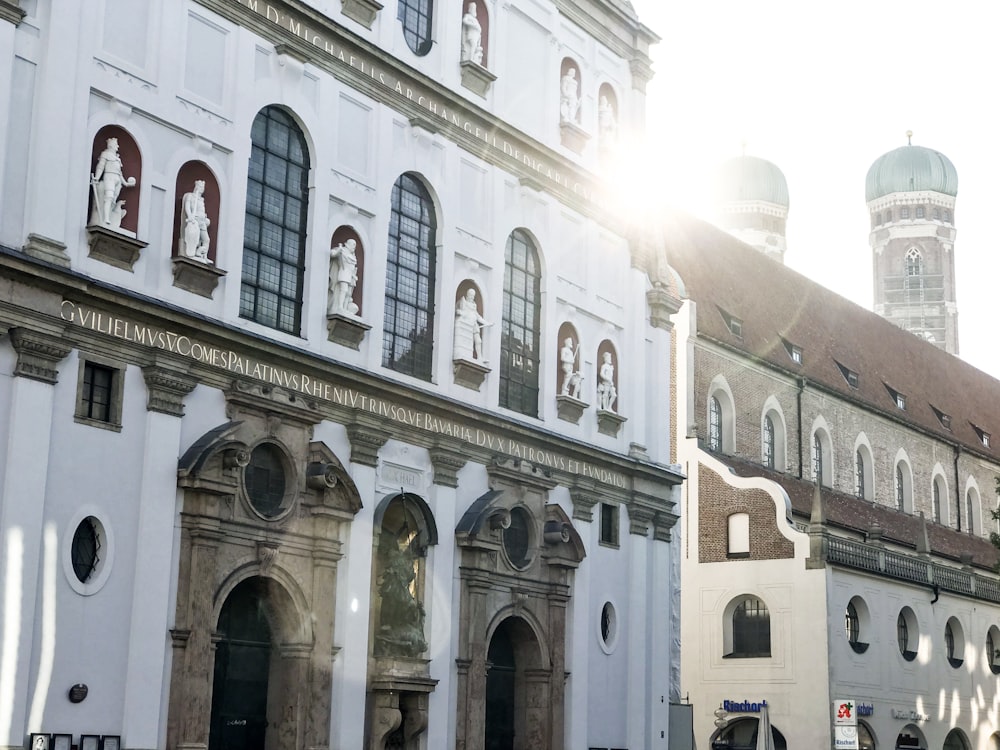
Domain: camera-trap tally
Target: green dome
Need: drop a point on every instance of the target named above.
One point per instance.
(747, 178)
(908, 169)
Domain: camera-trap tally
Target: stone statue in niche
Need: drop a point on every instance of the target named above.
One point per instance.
(401, 620)
(472, 36)
(469, 326)
(607, 122)
(106, 184)
(343, 278)
(607, 394)
(194, 224)
(572, 379)
(569, 96)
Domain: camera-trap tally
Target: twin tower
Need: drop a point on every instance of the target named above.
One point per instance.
(911, 203)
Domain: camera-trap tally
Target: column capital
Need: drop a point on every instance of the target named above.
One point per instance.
(166, 389)
(11, 11)
(367, 438)
(38, 353)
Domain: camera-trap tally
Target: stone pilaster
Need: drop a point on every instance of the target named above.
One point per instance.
(367, 438)
(166, 389)
(38, 354)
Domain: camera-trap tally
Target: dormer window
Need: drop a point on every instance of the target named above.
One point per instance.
(944, 419)
(983, 435)
(795, 352)
(898, 398)
(734, 324)
(849, 375)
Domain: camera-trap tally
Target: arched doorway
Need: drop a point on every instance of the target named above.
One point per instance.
(911, 738)
(741, 734)
(866, 738)
(242, 670)
(514, 681)
(956, 740)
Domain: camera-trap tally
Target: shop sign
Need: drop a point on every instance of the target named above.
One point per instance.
(909, 715)
(845, 737)
(744, 707)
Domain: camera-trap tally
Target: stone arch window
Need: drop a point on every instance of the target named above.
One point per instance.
(570, 88)
(971, 503)
(274, 237)
(914, 262)
(342, 235)
(520, 325)
(113, 198)
(822, 457)
(416, 17)
(938, 493)
(907, 634)
(857, 624)
(954, 642)
(993, 649)
(190, 173)
(956, 740)
(738, 537)
(568, 376)
(903, 487)
(772, 436)
(411, 269)
(767, 442)
(475, 46)
(721, 418)
(748, 627)
(404, 529)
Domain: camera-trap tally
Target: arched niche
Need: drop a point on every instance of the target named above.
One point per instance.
(568, 338)
(190, 173)
(482, 14)
(127, 197)
(570, 98)
(608, 402)
(463, 289)
(341, 235)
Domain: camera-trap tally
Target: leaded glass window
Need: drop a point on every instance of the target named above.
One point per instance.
(817, 458)
(408, 340)
(416, 15)
(900, 488)
(519, 334)
(274, 235)
(859, 475)
(714, 424)
(937, 502)
(768, 442)
(751, 629)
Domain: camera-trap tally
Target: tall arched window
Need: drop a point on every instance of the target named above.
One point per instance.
(859, 474)
(408, 340)
(751, 629)
(817, 458)
(521, 321)
(274, 235)
(936, 501)
(714, 424)
(416, 17)
(914, 262)
(970, 503)
(900, 488)
(767, 442)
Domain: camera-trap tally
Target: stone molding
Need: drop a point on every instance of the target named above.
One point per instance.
(663, 523)
(196, 277)
(346, 330)
(639, 519)
(447, 462)
(367, 438)
(166, 389)
(572, 136)
(114, 248)
(583, 503)
(519, 472)
(609, 422)
(470, 373)
(362, 11)
(9, 11)
(662, 305)
(476, 78)
(570, 409)
(45, 248)
(642, 73)
(37, 355)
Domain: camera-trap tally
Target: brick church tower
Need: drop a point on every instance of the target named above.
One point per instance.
(911, 199)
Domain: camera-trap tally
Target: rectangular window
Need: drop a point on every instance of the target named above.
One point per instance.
(904, 212)
(99, 395)
(920, 212)
(609, 524)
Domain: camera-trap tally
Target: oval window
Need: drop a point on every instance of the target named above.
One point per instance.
(264, 478)
(517, 538)
(86, 548)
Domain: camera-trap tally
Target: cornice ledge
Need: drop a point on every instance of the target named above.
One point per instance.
(38, 354)
(11, 12)
(166, 388)
(367, 435)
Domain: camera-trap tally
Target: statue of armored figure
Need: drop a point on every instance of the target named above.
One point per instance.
(401, 621)
(472, 36)
(194, 224)
(569, 96)
(607, 394)
(572, 379)
(343, 278)
(106, 183)
(607, 122)
(469, 326)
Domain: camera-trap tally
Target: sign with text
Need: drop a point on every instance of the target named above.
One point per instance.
(844, 714)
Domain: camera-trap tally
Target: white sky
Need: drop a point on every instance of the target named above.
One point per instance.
(822, 90)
